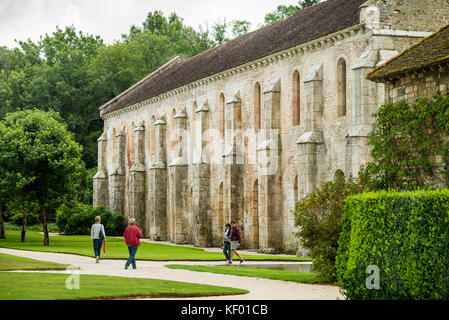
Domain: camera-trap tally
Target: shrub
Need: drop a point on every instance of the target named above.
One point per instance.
(78, 218)
(319, 218)
(405, 235)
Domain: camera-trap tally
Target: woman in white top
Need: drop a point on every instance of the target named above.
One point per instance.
(98, 235)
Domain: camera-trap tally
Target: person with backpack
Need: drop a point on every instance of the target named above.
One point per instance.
(132, 237)
(98, 236)
(235, 242)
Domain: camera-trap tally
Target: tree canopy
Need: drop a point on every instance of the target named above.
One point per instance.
(75, 73)
(283, 12)
(40, 161)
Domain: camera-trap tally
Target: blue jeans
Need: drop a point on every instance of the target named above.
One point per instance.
(132, 248)
(97, 246)
(227, 250)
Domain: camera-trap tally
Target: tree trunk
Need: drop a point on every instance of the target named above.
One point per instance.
(44, 224)
(2, 227)
(24, 226)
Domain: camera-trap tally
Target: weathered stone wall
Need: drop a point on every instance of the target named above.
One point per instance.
(418, 15)
(417, 85)
(192, 189)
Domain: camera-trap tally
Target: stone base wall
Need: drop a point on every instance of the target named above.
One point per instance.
(417, 85)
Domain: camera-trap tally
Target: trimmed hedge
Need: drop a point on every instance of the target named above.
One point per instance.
(77, 219)
(406, 235)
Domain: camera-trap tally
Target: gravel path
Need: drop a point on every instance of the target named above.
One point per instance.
(263, 289)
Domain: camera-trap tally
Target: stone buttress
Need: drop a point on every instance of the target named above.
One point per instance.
(270, 171)
(117, 177)
(157, 192)
(101, 194)
(180, 231)
(137, 181)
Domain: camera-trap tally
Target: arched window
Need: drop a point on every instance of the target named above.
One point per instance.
(131, 146)
(295, 191)
(339, 174)
(257, 113)
(341, 88)
(220, 207)
(172, 130)
(221, 114)
(255, 215)
(195, 127)
(152, 140)
(296, 99)
(113, 145)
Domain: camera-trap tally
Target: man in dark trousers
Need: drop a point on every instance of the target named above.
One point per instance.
(132, 238)
(235, 241)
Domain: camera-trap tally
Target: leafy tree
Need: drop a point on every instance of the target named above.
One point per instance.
(2, 226)
(55, 72)
(282, 12)
(220, 32)
(240, 28)
(40, 160)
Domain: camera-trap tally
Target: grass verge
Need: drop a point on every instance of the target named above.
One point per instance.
(45, 286)
(302, 277)
(9, 262)
(116, 249)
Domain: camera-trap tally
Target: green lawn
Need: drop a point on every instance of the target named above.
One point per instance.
(45, 286)
(301, 277)
(9, 262)
(116, 249)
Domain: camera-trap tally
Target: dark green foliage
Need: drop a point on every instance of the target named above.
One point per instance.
(405, 140)
(17, 218)
(74, 74)
(40, 163)
(319, 218)
(405, 235)
(77, 219)
(282, 12)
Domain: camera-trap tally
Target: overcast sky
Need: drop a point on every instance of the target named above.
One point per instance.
(22, 19)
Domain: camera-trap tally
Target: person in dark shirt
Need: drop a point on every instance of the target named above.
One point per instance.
(235, 241)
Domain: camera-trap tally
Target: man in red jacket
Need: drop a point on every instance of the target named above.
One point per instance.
(132, 238)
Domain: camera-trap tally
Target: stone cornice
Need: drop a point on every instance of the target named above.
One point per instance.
(311, 46)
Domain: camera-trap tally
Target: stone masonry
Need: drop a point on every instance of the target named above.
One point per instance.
(225, 148)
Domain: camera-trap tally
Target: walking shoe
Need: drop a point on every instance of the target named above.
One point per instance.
(97, 260)
(229, 262)
(242, 260)
(126, 268)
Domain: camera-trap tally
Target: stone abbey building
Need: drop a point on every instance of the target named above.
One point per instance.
(242, 131)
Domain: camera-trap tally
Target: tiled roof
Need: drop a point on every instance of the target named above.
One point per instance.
(309, 24)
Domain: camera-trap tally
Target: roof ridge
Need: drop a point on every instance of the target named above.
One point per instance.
(306, 25)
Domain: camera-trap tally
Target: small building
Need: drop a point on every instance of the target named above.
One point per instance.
(422, 70)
